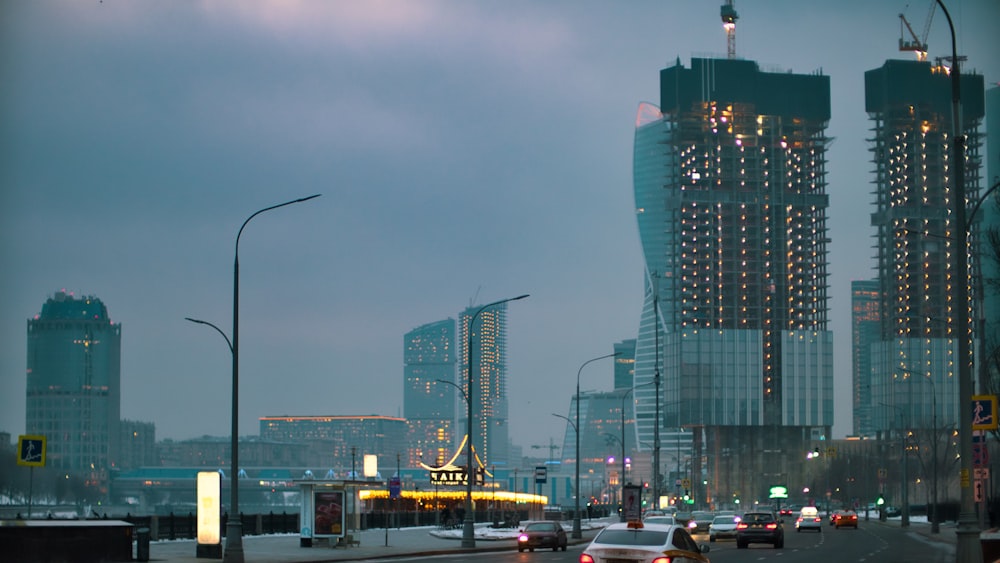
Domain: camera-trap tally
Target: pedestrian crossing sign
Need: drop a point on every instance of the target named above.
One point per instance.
(984, 412)
(31, 451)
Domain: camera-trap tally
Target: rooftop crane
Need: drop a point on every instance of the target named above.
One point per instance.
(919, 44)
(729, 17)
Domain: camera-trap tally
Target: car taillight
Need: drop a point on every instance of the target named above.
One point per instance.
(586, 558)
(741, 526)
(817, 519)
(772, 526)
(662, 560)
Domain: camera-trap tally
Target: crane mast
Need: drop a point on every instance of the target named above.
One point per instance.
(729, 17)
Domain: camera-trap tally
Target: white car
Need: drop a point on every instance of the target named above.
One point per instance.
(809, 520)
(723, 527)
(643, 543)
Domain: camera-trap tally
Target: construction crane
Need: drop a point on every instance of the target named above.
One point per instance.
(552, 447)
(919, 44)
(729, 17)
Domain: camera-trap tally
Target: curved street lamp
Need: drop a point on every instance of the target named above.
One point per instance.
(469, 525)
(577, 532)
(234, 525)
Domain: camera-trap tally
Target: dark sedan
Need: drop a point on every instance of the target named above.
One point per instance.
(759, 527)
(542, 534)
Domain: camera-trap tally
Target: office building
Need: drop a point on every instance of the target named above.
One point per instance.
(624, 363)
(74, 385)
(914, 362)
(731, 203)
(428, 404)
(342, 440)
(489, 382)
(866, 303)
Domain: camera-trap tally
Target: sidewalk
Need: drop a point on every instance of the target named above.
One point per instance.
(375, 544)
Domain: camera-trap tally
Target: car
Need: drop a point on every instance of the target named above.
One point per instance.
(759, 527)
(685, 519)
(723, 527)
(542, 534)
(643, 543)
(702, 520)
(809, 520)
(785, 511)
(846, 519)
(668, 520)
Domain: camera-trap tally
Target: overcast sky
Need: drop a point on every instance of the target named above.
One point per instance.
(467, 151)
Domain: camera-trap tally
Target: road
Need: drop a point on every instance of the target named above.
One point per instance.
(869, 543)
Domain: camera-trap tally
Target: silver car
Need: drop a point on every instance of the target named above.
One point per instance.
(722, 527)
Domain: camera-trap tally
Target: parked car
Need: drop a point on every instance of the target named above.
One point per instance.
(722, 527)
(846, 519)
(759, 527)
(645, 544)
(809, 520)
(542, 534)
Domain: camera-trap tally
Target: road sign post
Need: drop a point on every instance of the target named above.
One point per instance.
(31, 452)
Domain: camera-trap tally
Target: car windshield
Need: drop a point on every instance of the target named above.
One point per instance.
(540, 527)
(632, 537)
(660, 520)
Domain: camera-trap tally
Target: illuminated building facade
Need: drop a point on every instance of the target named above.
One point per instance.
(428, 405)
(915, 368)
(489, 394)
(346, 439)
(730, 191)
(74, 385)
(624, 364)
(866, 302)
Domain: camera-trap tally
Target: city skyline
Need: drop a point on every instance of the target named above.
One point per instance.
(467, 152)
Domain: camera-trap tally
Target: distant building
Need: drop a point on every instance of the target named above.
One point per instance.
(489, 392)
(74, 385)
(731, 204)
(213, 452)
(428, 404)
(624, 364)
(866, 302)
(137, 445)
(914, 362)
(343, 440)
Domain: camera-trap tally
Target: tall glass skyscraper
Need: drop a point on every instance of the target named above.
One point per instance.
(730, 195)
(489, 390)
(74, 385)
(915, 368)
(428, 405)
(866, 303)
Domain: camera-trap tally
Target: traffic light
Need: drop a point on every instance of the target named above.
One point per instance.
(880, 501)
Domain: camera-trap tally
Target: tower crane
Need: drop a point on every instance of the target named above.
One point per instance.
(729, 17)
(552, 447)
(919, 44)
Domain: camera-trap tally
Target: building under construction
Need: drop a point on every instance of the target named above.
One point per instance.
(730, 191)
(914, 361)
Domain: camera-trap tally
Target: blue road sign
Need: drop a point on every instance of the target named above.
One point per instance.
(31, 451)
(984, 412)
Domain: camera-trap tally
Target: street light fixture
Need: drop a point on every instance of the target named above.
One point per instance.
(469, 527)
(234, 525)
(577, 532)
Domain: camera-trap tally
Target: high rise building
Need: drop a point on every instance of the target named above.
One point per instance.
(74, 385)
(915, 363)
(866, 303)
(428, 405)
(624, 363)
(344, 440)
(490, 438)
(730, 193)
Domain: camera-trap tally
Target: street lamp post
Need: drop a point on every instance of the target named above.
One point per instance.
(905, 494)
(968, 547)
(469, 527)
(576, 510)
(625, 396)
(577, 532)
(234, 526)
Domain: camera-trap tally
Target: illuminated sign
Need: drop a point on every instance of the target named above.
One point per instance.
(453, 475)
(209, 508)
